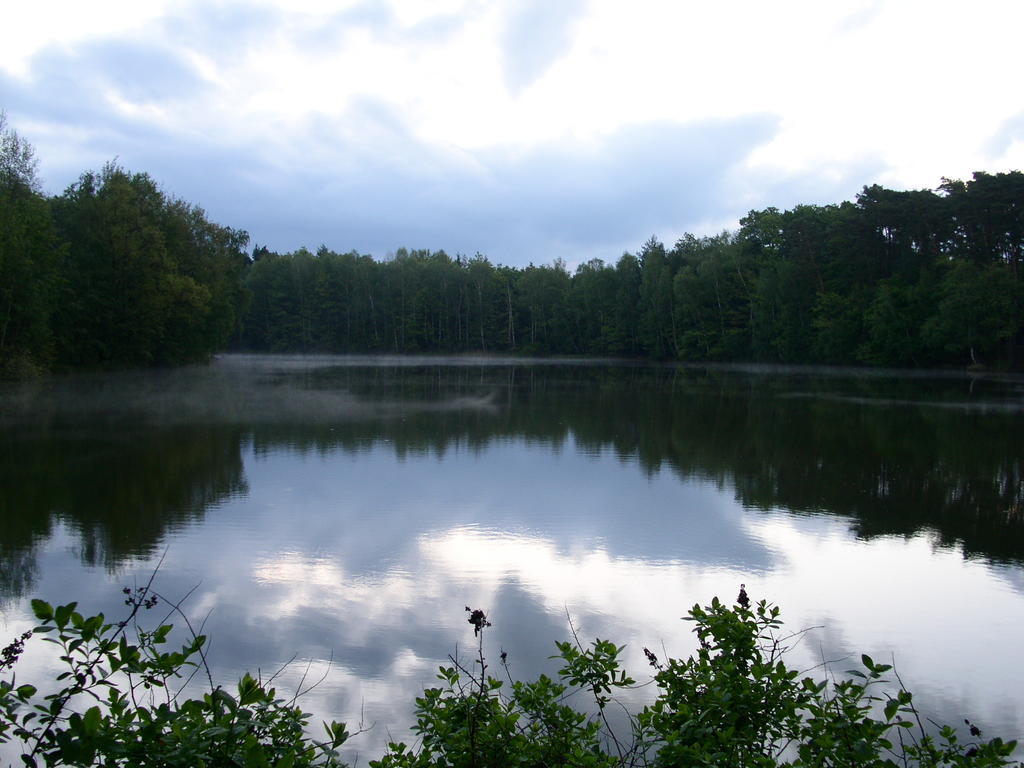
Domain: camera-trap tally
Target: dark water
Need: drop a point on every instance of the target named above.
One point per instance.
(343, 511)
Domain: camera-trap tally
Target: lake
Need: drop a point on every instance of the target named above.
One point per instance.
(340, 513)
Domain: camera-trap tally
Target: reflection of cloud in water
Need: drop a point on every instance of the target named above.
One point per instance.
(1014, 577)
(389, 628)
(950, 624)
(588, 582)
(379, 601)
(823, 578)
(526, 583)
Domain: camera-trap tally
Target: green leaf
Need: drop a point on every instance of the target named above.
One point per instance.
(42, 609)
(91, 720)
(63, 613)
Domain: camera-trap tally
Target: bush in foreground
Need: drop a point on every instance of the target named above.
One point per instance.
(733, 703)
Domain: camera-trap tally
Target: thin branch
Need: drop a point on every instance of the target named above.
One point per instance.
(54, 716)
(176, 606)
(330, 663)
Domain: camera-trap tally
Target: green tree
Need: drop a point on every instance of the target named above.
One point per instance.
(975, 313)
(893, 324)
(593, 301)
(30, 256)
(838, 321)
(712, 297)
(148, 279)
(659, 335)
(543, 295)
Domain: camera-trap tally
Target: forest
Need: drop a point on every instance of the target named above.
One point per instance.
(114, 273)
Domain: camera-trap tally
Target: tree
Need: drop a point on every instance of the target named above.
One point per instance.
(893, 325)
(712, 298)
(657, 313)
(593, 303)
(30, 255)
(988, 212)
(148, 279)
(543, 294)
(18, 163)
(974, 316)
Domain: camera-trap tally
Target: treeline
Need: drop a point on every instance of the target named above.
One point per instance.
(115, 273)
(112, 273)
(915, 278)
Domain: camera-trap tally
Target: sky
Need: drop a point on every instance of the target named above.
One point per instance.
(526, 130)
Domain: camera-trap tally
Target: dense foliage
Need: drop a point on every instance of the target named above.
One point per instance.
(112, 273)
(734, 703)
(115, 273)
(916, 278)
(113, 704)
(147, 279)
(30, 253)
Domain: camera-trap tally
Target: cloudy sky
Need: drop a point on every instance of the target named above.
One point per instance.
(527, 130)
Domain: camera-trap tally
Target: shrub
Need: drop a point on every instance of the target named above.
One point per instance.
(113, 704)
(734, 703)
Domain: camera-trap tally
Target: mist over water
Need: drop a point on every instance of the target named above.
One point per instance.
(344, 511)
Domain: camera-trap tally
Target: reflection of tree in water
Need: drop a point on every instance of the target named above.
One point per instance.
(896, 455)
(18, 567)
(893, 455)
(169, 479)
(121, 491)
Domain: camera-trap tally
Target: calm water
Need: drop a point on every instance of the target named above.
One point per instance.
(343, 511)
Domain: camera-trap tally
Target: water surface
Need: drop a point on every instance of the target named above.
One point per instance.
(344, 511)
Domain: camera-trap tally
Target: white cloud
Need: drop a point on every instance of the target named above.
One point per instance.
(31, 27)
(460, 93)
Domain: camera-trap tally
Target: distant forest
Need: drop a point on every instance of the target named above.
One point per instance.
(115, 273)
